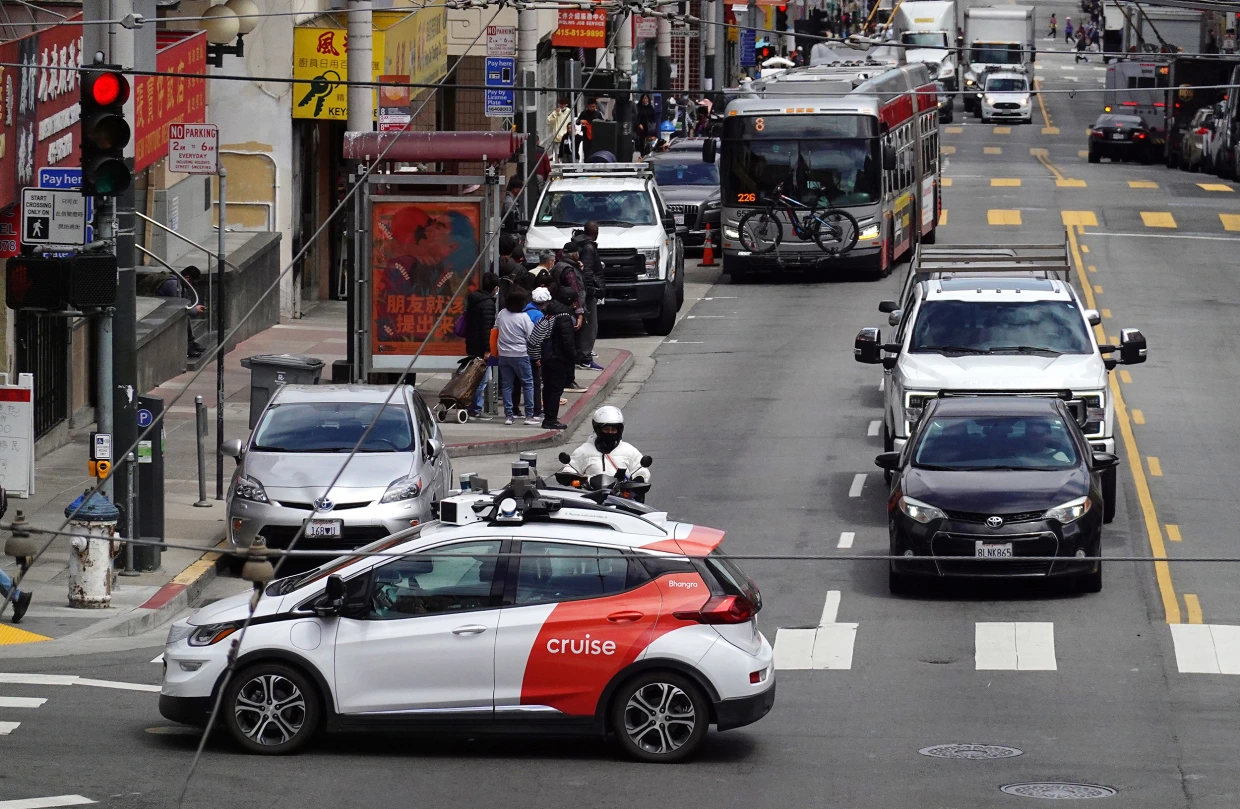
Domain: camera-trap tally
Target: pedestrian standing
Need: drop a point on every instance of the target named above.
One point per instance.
(534, 311)
(514, 328)
(567, 276)
(479, 320)
(587, 118)
(1081, 44)
(540, 276)
(558, 121)
(1054, 32)
(541, 296)
(595, 289)
(557, 354)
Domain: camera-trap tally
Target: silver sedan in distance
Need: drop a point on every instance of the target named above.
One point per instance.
(302, 440)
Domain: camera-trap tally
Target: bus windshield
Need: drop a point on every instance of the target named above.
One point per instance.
(802, 154)
(995, 54)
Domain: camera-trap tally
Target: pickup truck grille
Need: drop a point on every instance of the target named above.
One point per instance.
(622, 266)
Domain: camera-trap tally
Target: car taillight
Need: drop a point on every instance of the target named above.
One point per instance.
(1201, 131)
(720, 610)
(1098, 134)
(1139, 135)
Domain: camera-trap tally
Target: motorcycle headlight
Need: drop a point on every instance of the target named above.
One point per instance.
(731, 233)
(212, 633)
(1068, 512)
(406, 488)
(919, 511)
(868, 232)
(652, 263)
(250, 489)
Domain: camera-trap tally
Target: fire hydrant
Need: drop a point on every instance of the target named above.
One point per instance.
(90, 565)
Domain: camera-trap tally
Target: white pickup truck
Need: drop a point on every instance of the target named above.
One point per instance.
(987, 321)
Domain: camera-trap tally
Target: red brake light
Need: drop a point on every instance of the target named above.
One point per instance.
(1139, 135)
(1128, 103)
(720, 610)
(1201, 130)
(1097, 133)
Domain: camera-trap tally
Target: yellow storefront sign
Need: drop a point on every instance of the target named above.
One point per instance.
(403, 44)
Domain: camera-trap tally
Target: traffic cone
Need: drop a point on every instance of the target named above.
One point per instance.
(708, 252)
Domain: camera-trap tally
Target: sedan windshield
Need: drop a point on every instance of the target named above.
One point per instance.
(575, 208)
(1027, 442)
(1051, 327)
(698, 173)
(1006, 86)
(334, 427)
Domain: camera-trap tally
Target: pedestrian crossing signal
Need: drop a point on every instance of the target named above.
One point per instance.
(83, 281)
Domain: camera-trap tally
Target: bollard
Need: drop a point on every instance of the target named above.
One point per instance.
(200, 432)
(90, 564)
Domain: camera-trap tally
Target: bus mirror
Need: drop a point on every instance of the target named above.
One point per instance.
(708, 150)
(889, 156)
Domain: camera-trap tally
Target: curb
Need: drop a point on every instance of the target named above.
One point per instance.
(177, 595)
(607, 381)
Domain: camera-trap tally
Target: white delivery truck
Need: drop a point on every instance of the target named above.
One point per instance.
(995, 37)
(928, 29)
(1159, 29)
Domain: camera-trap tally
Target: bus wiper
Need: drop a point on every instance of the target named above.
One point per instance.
(1025, 350)
(953, 349)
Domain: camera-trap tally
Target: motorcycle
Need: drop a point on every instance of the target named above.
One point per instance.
(620, 485)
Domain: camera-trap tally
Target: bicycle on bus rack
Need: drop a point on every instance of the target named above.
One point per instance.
(834, 230)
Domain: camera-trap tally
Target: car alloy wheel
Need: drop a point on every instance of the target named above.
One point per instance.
(271, 709)
(660, 717)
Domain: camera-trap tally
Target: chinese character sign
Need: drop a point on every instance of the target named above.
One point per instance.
(581, 29)
(162, 100)
(422, 253)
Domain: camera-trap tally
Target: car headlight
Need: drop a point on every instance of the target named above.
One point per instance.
(652, 264)
(405, 488)
(178, 632)
(919, 511)
(250, 489)
(868, 232)
(212, 633)
(969, 82)
(731, 233)
(990, 100)
(914, 406)
(1068, 512)
(945, 71)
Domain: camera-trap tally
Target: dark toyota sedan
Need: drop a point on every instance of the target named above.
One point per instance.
(1121, 137)
(996, 478)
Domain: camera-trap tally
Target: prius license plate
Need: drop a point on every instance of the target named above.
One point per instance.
(679, 218)
(992, 550)
(323, 528)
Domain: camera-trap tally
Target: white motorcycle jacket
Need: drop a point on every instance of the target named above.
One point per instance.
(588, 461)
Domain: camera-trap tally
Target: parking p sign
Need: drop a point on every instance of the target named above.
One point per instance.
(193, 148)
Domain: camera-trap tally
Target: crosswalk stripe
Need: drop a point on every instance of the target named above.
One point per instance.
(794, 648)
(1206, 648)
(827, 646)
(833, 646)
(1000, 216)
(1051, 130)
(846, 539)
(1158, 219)
(947, 149)
(1083, 153)
(1014, 646)
(46, 803)
(21, 702)
(872, 430)
(8, 727)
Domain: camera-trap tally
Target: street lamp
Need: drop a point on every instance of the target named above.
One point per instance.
(227, 22)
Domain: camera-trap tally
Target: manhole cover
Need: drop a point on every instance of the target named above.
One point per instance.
(970, 751)
(1057, 791)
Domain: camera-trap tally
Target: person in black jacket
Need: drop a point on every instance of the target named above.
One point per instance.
(647, 124)
(592, 275)
(479, 320)
(552, 345)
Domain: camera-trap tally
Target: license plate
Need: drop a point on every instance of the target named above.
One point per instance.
(1117, 136)
(992, 550)
(323, 528)
(679, 218)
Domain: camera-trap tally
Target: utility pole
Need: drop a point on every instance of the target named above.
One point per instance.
(527, 73)
(221, 327)
(707, 42)
(361, 98)
(663, 58)
(720, 37)
(624, 82)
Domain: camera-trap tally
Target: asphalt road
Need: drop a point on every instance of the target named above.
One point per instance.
(760, 421)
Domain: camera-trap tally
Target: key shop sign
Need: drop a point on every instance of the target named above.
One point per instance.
(581, 29)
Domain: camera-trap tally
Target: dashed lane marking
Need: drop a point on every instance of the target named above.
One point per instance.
(1138, 417)
(1001, 216)
(946, 182)
(846, 539)
(1003, 130)
(21, 702)
(8, 727)
(947, 149)
(1088, 218)
(1098, 288)
(1084, 248)
(873, 428)
(1155, 466)
(1106, 314)
(1014, 646)
(46, 803)
(1158, 219)
(1206, 648)
(1216, 187)
(1142, 184)
(1173, 532)
(1083, 153)
(882, 383)
(1125, 377)
(1004, 182)
(858, 483)
(992, 150)
(1092, 268)
(1193, 607)
(943, 217)
(1231, 221)
(953, 130)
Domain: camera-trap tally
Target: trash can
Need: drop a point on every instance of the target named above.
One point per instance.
(270, 371)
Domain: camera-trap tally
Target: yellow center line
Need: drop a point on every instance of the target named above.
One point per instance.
(1048, 126)
(1194, 608)
(1153, 529)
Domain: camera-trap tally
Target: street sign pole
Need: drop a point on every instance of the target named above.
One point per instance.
(221, 323)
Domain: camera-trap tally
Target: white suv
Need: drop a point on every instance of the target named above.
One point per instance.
(997, 336)
(639, 240)
(526, 610)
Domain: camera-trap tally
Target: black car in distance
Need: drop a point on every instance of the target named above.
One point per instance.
(1121, 137)
(987, 480)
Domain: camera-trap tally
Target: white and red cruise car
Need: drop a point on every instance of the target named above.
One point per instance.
(524, 611)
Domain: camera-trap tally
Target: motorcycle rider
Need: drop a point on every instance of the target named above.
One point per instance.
(606, 452)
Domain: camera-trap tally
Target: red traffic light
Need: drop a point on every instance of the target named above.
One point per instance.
(782, 9)
(106, 89)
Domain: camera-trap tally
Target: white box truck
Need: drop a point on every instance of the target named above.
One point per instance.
(928, 29)
(995, 37)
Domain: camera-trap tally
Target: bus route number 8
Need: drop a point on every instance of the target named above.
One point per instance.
(759, 125)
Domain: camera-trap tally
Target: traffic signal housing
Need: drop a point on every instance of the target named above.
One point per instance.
(56, 284)
(781, 18)
(105, 132)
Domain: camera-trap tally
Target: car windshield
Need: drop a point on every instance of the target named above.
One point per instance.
(689, 173)
(925, 39)
(1050, 327)
(575, 208)
(1003, 442)
(334, 427)
(1007, 86)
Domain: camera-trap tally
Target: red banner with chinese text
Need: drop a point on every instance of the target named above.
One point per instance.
(581, 29)
(422, 252)
(162, 100)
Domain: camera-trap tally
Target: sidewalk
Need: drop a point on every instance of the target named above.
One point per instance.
(150, 599)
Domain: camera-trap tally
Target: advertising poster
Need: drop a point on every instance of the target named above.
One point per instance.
(422, 252)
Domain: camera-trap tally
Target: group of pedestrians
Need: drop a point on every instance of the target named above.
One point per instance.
(1084, 39)
(538, 326)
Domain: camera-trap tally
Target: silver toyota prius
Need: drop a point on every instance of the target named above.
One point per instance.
(302, 440)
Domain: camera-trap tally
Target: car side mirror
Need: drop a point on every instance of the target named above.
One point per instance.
(647, 461)
(886, 307)
(433, 448)
(889, 156)
(1093, 317)
(888, 461)
(866, 346)
(565, 457)
(333, 597)
(1131, 347)
(708, 150)
(669, 225)
(894, 318)
(232, 448)
(1105, 460)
